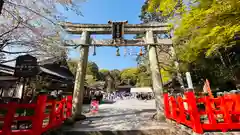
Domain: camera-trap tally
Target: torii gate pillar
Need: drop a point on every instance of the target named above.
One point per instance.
(155, 71)
(80, 77)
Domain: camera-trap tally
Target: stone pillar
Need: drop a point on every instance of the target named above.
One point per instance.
(80, 77)
(157, 84)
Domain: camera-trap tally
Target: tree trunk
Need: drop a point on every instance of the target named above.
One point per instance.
(80, 77)
(157, 84)
(176, 63)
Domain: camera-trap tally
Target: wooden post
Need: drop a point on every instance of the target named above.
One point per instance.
(156, 74)
(39, 114)
(189, 80)
(182, 116)
(80, 77)
(9, 117)
(166, 105)
(52, 118)
(69, 106)
(193, 110)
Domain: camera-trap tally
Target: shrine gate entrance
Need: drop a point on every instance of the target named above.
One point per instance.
(117, 29)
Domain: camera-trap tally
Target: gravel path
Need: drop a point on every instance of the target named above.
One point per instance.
(129, 114)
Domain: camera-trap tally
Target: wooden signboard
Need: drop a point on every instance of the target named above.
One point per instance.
(26, 66)
(117, 30)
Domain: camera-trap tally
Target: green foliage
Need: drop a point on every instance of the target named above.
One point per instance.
(130, 74)
(90, 79)
(146, 16)
(144, 79)
(104, 71)
(92, 69)
(166, 7)
(204, 37)
(208, 25)
(207, 28)
(153, 16)
(116, 74)
(73, 64)
(166, 75)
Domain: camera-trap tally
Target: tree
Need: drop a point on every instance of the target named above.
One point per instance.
(73, 64)
(204, 37)
(129, 75)
(164, 57)
(32, 27)
(103, 73)
(144, 80)
(92, 69)
(153, 16)
(167, 8)
(115, 73)
(147, 16)
(110, 84)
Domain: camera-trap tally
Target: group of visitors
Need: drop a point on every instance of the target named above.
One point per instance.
(114, 96)
(144, 96)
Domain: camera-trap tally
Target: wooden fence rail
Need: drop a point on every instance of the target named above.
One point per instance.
(45, 114)
(204, 114)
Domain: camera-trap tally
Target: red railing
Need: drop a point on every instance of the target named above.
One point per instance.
(204, 113)
(47, 114)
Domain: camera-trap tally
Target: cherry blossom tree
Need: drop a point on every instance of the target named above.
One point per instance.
(31, 26)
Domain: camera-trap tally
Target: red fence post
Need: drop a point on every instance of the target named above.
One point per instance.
(63, 101)
(174, 107)
(236, 108)
(209, 110)
(52, 117)
(166, 105)
(9, 117)
(181, 117)
(39, 114)
(69, 106)
(226, 115)
(193, 110)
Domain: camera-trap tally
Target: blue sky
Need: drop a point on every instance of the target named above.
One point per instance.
(100, 11)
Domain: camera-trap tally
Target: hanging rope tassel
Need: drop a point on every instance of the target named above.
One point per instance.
(125, 51)
(117, 52)
(94, 50)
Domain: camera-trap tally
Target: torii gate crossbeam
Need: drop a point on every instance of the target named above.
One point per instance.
(107, 28)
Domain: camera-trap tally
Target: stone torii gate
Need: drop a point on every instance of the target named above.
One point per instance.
(87, 29)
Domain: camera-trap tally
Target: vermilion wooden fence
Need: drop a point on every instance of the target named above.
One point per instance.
(41, 121)
(204, 113)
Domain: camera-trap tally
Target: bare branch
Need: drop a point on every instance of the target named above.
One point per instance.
(2, 51)
(11, 30)
(6, 61)
(27, 8)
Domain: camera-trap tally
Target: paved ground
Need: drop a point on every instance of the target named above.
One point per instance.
(126, 117)
(129, 114)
